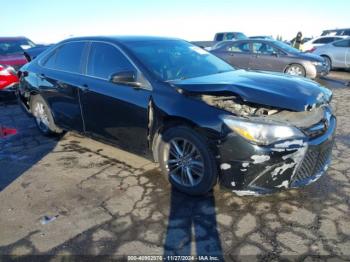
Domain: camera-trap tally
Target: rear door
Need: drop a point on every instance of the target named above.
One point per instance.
(235, 53)
(59, 82)
(115, 112)
(266, 57)
(340, 53)
(347, 60)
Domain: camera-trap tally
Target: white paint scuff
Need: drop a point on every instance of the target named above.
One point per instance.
(286, 144)
(225, 166)
(284, 184)
(245, 193)
(260, 159)
(245, 164)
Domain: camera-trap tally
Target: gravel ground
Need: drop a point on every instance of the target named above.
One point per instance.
(109, 202)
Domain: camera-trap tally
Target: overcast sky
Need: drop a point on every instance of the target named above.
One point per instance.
(53, 20)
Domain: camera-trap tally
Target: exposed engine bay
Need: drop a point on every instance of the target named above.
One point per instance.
(238, 107)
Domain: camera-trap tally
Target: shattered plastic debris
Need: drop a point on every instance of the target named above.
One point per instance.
(47, 219)
(5, 131)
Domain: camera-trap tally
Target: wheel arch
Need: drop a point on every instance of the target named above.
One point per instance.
(168, 122)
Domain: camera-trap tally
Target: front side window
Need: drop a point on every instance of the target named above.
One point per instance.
(106, 60)
(176, 59)
(263, 48)
(67, 58)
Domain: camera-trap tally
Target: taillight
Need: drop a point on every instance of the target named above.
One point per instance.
(312, 50)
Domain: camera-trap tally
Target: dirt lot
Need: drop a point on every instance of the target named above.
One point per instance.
(110, 202)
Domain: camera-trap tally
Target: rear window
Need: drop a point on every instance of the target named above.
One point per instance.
(105, 60)
(66, 58)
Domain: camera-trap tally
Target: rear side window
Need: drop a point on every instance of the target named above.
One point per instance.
(344, 43)
(67, 57)
(240, 47)
(105, 60)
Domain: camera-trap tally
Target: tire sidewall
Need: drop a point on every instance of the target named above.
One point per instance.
(52, 128)
(210, 167)
(297, 65)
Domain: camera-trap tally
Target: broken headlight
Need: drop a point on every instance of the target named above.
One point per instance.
(260, 132)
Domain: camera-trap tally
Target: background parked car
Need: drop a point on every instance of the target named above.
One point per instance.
(342, 31)
(319, 41)
(12, 49)
(14, 53)
(267, 37)
(219, 37)
(8, 78)
(336, 54)
(270, 55)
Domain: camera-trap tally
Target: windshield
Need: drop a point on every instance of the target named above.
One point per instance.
(286, 47)
(176, 59)
(14, 46)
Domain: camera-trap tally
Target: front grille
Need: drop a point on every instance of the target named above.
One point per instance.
(314, 162)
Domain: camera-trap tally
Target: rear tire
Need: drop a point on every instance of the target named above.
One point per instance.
(328, 62)
(295, 70)
(187, 161)
(43, 116)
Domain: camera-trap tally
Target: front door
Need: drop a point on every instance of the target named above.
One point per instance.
(115, 112)
(235, 53)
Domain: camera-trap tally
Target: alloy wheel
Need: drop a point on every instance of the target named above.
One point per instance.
(295, 71)
(41, 117)
(184, 162)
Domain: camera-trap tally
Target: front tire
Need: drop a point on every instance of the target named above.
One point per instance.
(43, 117)
(295, 70)
(187, 161)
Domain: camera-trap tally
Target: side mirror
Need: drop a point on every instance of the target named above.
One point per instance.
(274, 53)
(125, 78)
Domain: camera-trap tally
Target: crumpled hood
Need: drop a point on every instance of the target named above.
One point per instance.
(272, 89)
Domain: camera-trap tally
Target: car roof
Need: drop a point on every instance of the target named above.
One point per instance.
(12, 38)
(253, 40)
(120, 39)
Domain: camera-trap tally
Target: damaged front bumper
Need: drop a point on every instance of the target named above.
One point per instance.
(250, 169)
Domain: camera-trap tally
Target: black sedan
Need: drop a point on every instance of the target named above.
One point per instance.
(270, 55)
(200, 118)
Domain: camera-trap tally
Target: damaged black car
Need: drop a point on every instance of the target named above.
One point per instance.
(204, 121)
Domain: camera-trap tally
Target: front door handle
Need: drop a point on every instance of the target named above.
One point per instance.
(84, 88)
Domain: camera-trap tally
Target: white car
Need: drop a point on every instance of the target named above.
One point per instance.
(319, 41)
(336, 54)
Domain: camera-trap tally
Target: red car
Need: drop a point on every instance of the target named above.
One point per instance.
(11, 59)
